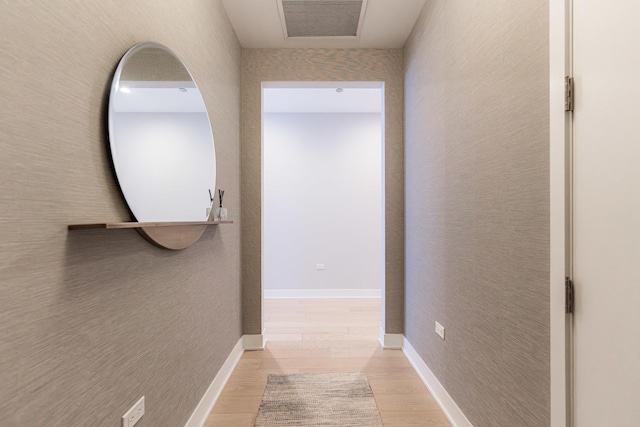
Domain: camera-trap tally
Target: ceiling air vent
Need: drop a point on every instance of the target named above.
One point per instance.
(322, 18)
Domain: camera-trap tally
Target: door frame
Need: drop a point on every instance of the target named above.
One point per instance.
(560, 127)
(386, 340)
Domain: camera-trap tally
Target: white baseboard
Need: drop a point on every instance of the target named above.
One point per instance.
(390, 341)
(321, 293)
(254, 342)
(200, 414)
(447, 404)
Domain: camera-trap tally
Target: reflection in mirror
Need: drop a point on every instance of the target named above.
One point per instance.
(160, 136)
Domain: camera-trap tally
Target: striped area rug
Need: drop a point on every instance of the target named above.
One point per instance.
(318, 399)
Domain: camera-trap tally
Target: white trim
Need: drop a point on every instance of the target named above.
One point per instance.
(559, 66)
(254, 342)
(383, 208)
(321, 293)
(390, 341)
(201, 413)
(451, 410)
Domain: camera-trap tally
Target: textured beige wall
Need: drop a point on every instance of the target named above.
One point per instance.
(477, 203)
(92, 320)
(259, 65)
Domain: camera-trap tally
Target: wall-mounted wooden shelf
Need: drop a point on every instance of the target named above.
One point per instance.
(169, 235)
(121, 225)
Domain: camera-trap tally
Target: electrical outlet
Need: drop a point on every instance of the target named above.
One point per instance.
(440, 330)
(133, 415)
(319, 266)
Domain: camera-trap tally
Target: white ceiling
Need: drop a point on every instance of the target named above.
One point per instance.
(386, 24)
(322, 100)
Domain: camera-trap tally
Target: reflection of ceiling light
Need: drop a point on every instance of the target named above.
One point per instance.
(339, 90)
(125, 90)
(182, 89)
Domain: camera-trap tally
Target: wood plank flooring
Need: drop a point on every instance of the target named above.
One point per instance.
(327, 335)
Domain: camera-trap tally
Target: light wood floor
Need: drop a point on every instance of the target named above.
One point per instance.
(322, 335)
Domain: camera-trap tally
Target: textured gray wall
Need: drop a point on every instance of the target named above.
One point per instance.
(259, 65)
(92, 320)
(477, 203)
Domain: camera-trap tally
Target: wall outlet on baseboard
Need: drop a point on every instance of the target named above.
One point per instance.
(440, 330)
(319, 266)
(133, 415)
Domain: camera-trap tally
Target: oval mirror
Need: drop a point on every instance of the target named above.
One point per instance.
(160, 136)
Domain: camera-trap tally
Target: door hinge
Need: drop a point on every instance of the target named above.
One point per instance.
(569, 296)
(569, 93)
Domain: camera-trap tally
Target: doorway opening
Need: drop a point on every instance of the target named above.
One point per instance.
(323, 201)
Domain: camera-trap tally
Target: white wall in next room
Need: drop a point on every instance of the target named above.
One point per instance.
(322, 203)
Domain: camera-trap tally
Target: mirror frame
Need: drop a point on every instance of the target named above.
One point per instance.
(176, 234)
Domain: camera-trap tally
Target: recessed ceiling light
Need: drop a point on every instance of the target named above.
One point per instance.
(339, 90)
(182, 89)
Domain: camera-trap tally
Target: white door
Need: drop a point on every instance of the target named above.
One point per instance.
(606, 244)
